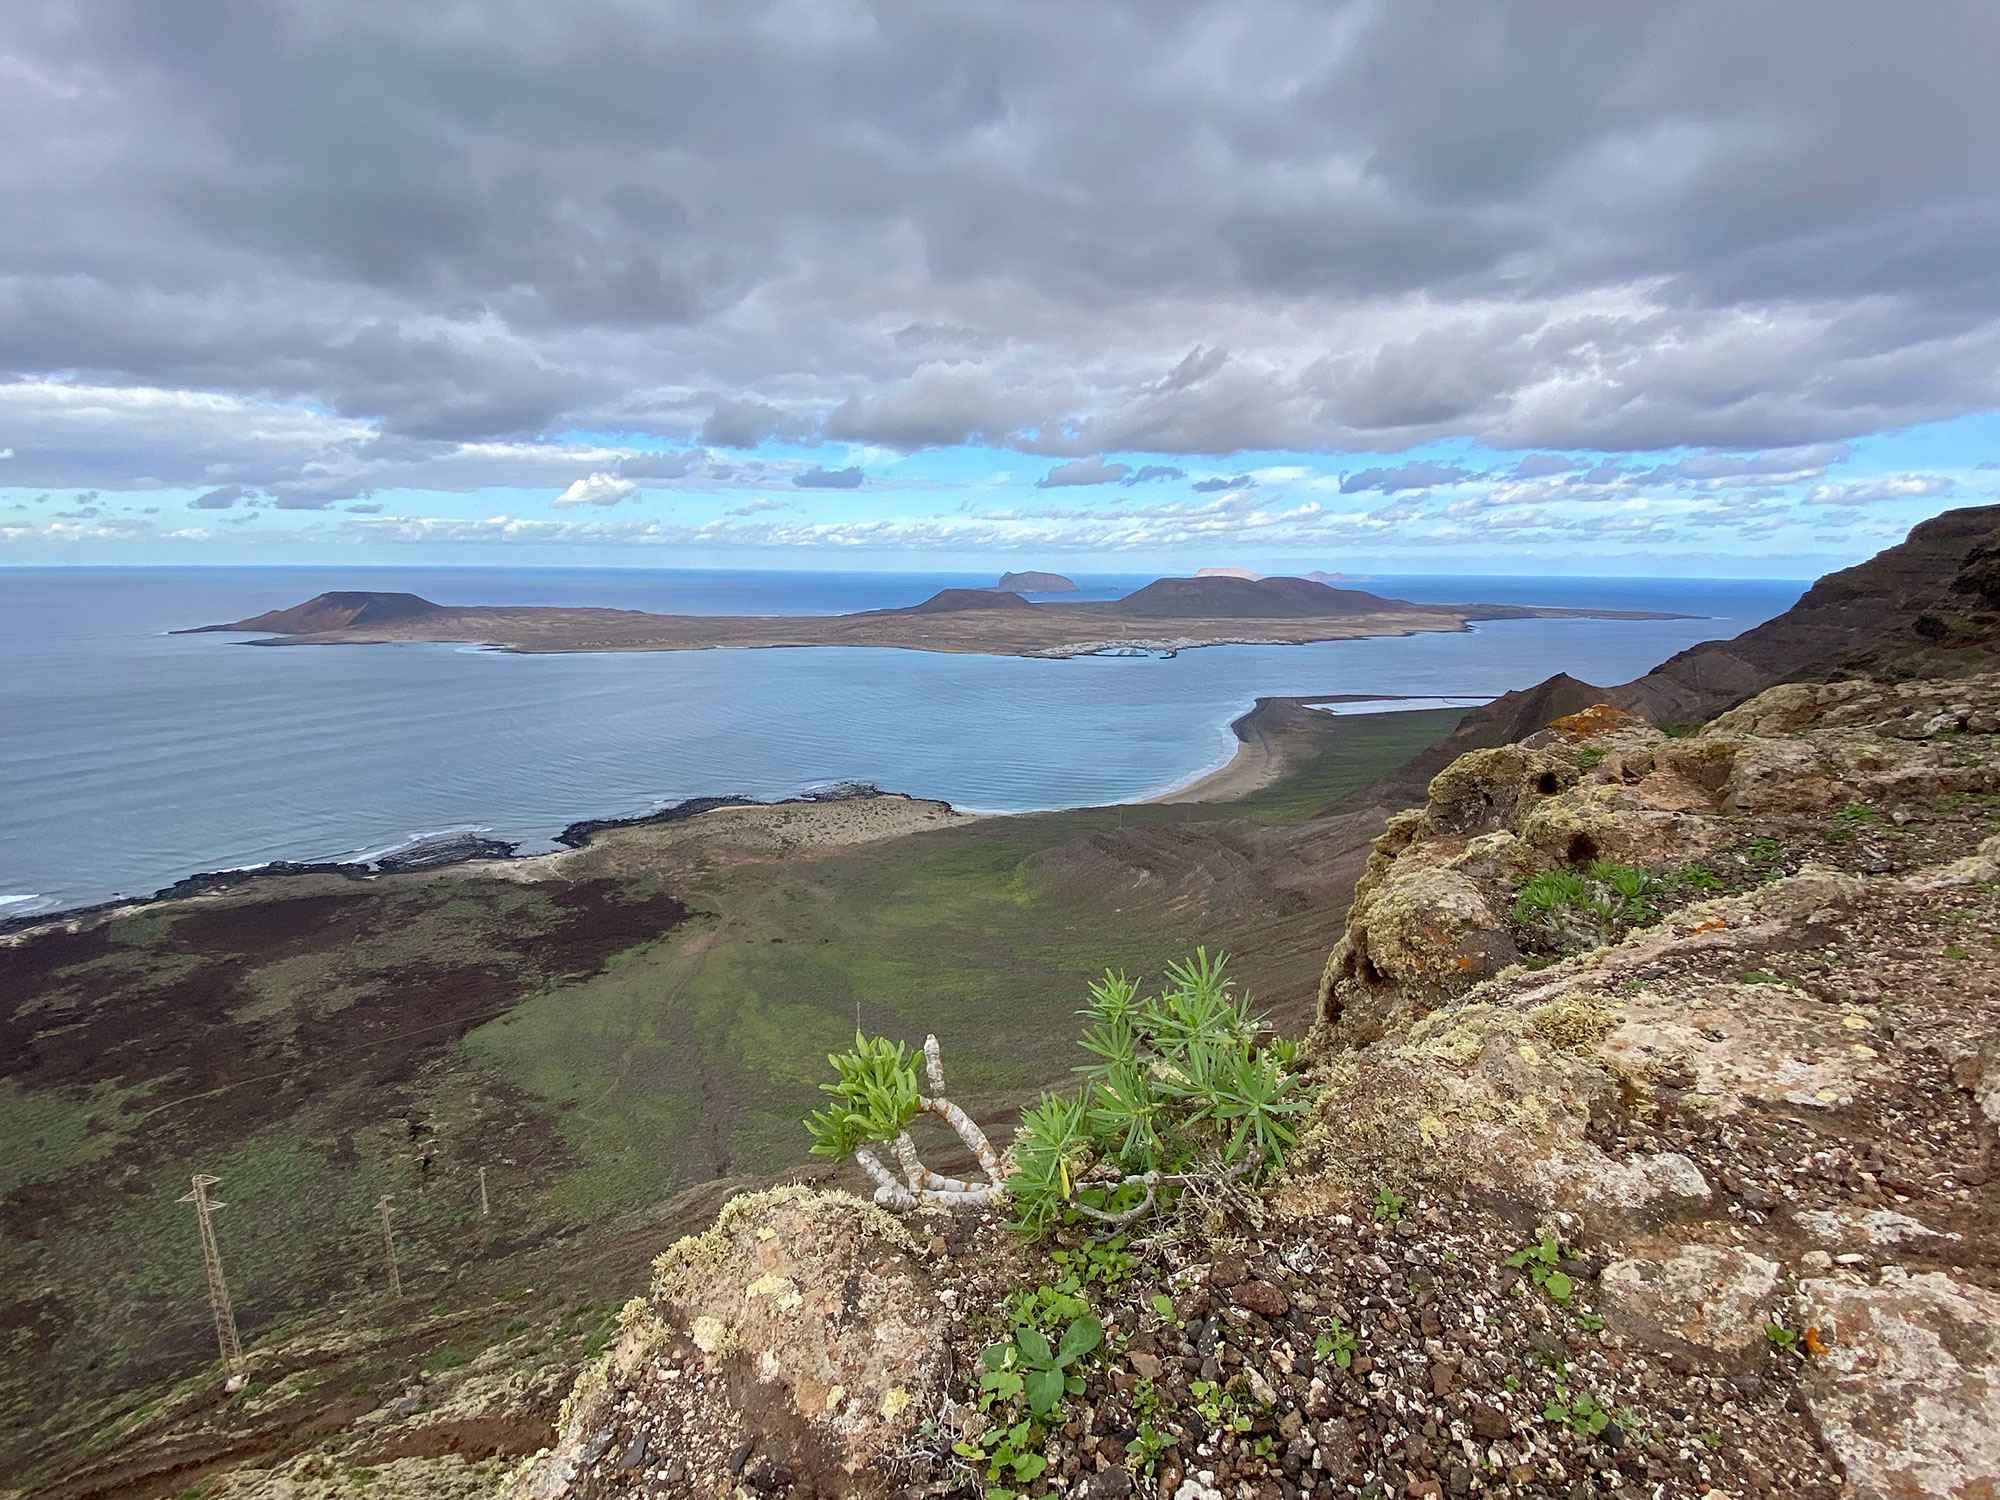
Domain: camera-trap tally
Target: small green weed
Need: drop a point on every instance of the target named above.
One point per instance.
(1027, 1366)
(1336, 1342)
(1222, 1409)
(1590, 757)
(1699, 878)
(1010, 1452)
(1539, 1261)
(1389, 1205)
(1583, 1414)
(1759, 976)
(1858, 812)
(1104, 1264)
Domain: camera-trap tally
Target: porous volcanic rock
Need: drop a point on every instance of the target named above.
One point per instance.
(1907, 1390)
(1435, 912)
(1714, 1297)
(799, 1336)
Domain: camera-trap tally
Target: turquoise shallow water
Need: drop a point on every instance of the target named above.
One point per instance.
(131, 757)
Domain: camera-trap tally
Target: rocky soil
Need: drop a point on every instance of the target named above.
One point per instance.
(1678, 1183)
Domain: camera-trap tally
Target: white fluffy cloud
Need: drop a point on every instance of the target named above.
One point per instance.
(596, 489)
(1882, 487)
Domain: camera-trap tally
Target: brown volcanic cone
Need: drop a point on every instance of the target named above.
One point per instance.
(1216, 598)
(341, 610)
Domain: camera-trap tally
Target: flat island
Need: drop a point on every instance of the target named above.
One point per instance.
(1167, 615)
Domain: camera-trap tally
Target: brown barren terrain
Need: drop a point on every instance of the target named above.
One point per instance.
(1171, 614)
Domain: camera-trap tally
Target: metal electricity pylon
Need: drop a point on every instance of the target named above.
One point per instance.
(211, 1259)
(389, 1250)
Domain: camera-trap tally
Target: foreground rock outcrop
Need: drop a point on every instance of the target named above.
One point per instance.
(1767, 1099)
(796, 1344)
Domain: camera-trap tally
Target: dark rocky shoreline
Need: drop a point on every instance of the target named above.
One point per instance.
(434, 853)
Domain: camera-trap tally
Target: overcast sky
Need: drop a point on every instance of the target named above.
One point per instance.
(1431, 284)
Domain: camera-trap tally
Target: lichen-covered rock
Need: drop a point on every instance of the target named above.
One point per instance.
(802, 1324)
(1907, 1393)
(1713, 1297)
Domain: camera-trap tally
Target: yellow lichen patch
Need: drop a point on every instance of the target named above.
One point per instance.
(894, 1400)
(834, 1396)
(783, 1294)
(710, 1335)
(1453, 1036)
(1529, 1055)
(636, 1309)
(1574, 1023)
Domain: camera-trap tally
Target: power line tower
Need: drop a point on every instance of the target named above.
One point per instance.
(211, 1259)
(389, 1250)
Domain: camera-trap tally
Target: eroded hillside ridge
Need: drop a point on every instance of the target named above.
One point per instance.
(1654, 1152)
(1927, 607)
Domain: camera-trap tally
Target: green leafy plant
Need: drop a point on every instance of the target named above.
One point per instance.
(1389, 1205)
(1582, 1413)
(1759, 976)
(1183, 1078)
(877, 1097)
(1164, 1306)
(1552, 890)
(1009, 1452)
(1590, 1322)
(1635, 892)
(1590, 757)
(1336, 1342)
(1680, 731)
(1539, 1261)
(1047, 1308)
(1859, 812)
(1027, 1366)
(1150, 1442)
(1184, 1084)
(1104, 1264)
(1566, 907)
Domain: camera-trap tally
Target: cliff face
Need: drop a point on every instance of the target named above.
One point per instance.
(1729, 1005)
(1928, 607)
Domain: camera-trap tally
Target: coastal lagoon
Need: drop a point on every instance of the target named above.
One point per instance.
(132, 757)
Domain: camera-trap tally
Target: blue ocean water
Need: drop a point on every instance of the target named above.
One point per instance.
(131, 757)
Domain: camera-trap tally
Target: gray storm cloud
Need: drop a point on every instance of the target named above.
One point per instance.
(1165, 226)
